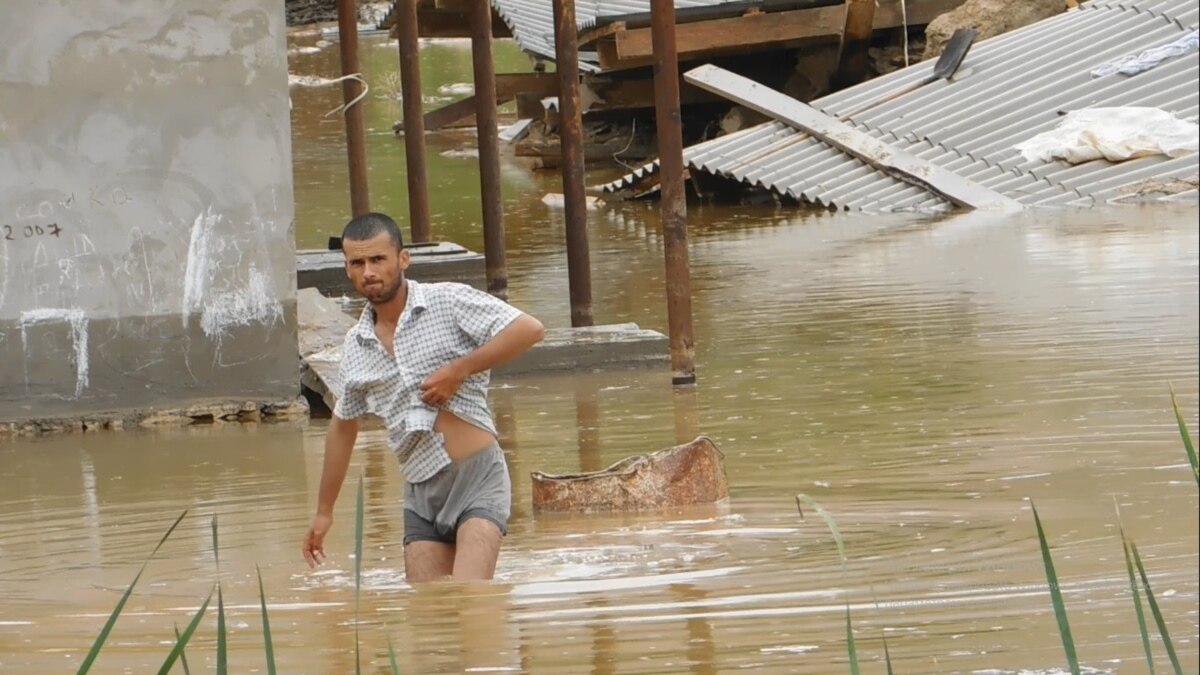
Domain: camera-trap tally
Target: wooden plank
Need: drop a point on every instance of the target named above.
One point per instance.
(432, 23)
(856, 40)
(508, 85)
(638, 93)
(591, 35)
(449, 114)
(894, 162)
(633, 48)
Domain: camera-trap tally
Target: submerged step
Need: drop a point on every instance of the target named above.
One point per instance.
(436, 261)
(322, 324)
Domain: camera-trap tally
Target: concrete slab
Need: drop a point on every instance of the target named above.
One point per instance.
(435, 261)
(322, 325)
(595, 349)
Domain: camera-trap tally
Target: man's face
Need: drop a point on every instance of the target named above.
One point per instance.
(375, 267)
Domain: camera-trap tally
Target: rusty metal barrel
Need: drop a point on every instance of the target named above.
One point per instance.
(693, 473)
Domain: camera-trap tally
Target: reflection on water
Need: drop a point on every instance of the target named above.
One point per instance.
(921, 378)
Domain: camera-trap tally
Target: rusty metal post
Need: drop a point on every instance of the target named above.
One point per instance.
(489, 148)
(356, 139)
(414, 121)
(673, 205)
(570, 134)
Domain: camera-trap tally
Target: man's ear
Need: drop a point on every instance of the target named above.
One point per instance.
(405, 258)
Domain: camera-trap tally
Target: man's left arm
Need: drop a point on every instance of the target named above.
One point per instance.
(481, 316)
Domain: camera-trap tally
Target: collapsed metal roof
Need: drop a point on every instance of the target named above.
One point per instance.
(1008, 89)
(532, 21)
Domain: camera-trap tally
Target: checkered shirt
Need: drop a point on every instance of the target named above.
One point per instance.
(440, 322)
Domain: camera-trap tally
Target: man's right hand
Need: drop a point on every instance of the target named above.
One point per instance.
(314, 541)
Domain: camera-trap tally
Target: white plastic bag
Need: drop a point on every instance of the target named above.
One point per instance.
(1115, 134)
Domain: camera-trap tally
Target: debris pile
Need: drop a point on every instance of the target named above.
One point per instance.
(989, 18)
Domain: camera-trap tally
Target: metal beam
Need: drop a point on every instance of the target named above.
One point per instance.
(848, 139)
(414, 125)
(487, 134)
(570, 133)
(673, 206)
(356, 141)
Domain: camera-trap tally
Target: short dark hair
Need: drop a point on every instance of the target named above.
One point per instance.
(371, 225)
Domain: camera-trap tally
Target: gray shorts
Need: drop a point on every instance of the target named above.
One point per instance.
(477, 487)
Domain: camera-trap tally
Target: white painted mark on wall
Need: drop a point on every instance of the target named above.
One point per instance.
(79, 339)
(253, 303)
(199, 260)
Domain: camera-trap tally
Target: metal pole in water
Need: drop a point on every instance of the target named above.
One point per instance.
(414, 121)
(673, 205)
(570, 135)
(489, 148)
(356, 141)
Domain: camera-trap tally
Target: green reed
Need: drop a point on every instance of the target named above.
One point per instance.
(1187, 438)
(801, 500)
(182, 654)
(266, 622)
(392, 657)
(112, 618)
(1133, 591)
(358, 537)
(1154, 610)
(1060, 610)
(222, 646)
(188, 632)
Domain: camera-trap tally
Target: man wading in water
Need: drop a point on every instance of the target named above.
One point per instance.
(419, 359)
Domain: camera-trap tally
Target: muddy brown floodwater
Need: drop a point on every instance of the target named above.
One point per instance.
(922, 378)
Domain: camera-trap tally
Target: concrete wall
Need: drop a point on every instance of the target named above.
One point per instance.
(146, 247)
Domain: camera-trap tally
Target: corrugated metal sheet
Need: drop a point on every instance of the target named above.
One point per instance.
(1009, 89)
(532, 21)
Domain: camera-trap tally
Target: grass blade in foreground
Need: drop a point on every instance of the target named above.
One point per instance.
(182, 654)
(262, 596)
(112, 619)
(1187, 438)
(851, 651)
(1060, 611)
(837, 536)
(358, 537)
(177, 650)
(887, 656)
(1158, 617)
(1137, 597)
(222, 647)
(392, 656)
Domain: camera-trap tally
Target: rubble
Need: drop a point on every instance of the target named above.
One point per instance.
(305, 12)
(204, 412)
(989, 18)
(1161, 190)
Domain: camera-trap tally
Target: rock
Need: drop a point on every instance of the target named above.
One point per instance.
(810, 77)
(888, 59)
(304, 12)
(989, 18)
(685, 474)
(296, 408)
(203, 412)
(740, 117)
